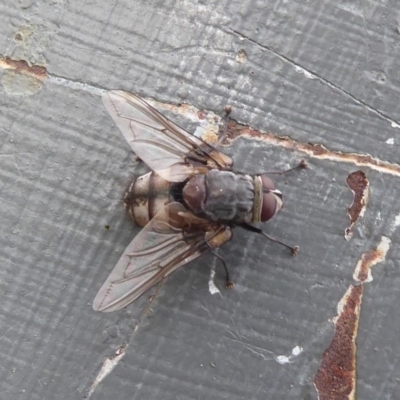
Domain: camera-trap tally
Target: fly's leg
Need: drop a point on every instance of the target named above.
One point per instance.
(294, 249)
(301, 165)
(229, 284)
(213, 243)
(252, 228)
(228, 110)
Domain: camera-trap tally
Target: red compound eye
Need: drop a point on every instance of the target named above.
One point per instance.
(272, 199)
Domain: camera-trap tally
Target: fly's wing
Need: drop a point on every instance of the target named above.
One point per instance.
(165, 147)
(159, 249)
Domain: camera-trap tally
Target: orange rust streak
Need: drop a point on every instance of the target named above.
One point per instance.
(359, 184)
(368, 260)
(236, 130)
(210, 137)
(201, 115)
(336, 377)
(22, 66)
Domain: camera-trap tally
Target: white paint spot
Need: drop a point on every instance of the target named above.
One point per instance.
(390, 141)
(212, 287)
(297, 350)
(303, 71)
(108, 365)
(288, 359)
(282, 359)
(396, 222)
(394, 125)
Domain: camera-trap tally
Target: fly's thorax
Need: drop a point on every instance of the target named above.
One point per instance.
(146, 197)
(221, 196)
(268, 200)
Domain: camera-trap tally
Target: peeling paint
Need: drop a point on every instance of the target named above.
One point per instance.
(210, 125)
(317, 151)
(108, 365)
(241, 56)
(362, 272)
(359, 185)
(336, 377)
(25, 62)
(22, 66)
(21, 78)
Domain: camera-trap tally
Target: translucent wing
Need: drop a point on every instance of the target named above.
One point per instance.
(159, 249)
(165, 147)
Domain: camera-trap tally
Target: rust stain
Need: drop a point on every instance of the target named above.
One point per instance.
(210, 137)
(336, 377)
(21, 66)
(181, 108)
(359, 185)
(201, 115)
(209, 122)
(316, 150)
(362, 272)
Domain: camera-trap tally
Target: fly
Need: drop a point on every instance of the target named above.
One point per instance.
(187, 205)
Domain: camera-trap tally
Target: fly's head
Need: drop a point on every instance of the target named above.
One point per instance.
(268, 200)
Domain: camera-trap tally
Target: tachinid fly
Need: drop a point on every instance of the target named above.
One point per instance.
(187, 205)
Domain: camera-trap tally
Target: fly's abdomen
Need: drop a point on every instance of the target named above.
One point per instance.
(146, 197)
